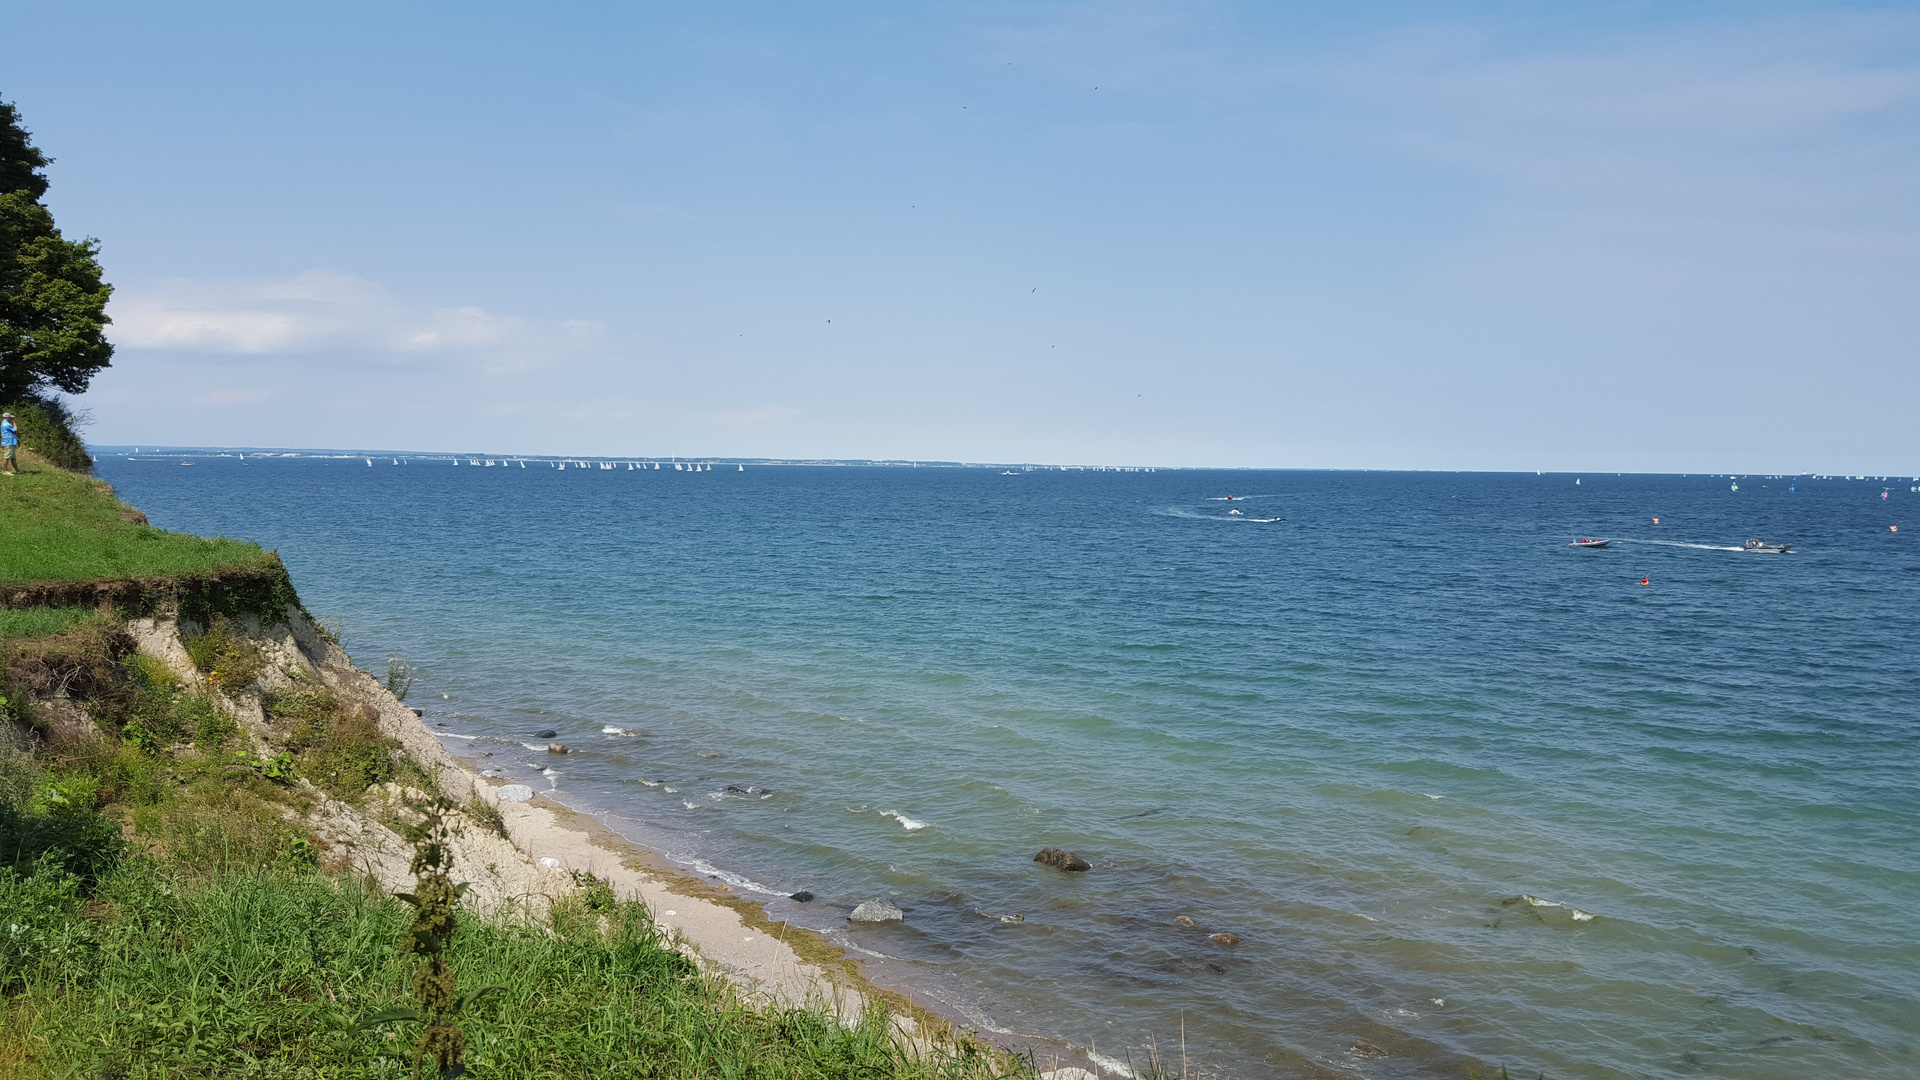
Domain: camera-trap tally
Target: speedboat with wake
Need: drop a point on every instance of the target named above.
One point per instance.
(1590, 542)
(1761, 547)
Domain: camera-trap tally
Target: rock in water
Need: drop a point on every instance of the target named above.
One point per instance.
(514, 793)
(547, 734)
(1061, 859)
(1183, 920)
(1225, 938)
(877, 910)
(803, 897)
(556, 748)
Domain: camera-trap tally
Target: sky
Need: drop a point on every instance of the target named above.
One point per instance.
(1624, 236)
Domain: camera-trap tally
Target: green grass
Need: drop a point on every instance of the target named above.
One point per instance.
(264, 974)
(44, 622)
(57, 525)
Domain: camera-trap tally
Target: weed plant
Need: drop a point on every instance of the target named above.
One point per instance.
(400, 676)
(231, 661)
(340, 750)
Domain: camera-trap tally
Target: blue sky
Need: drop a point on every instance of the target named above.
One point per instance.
(1660, 236)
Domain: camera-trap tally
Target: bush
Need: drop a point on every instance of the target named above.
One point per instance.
(341, 751)
(231, 661)
(59, 825)
(47, 428)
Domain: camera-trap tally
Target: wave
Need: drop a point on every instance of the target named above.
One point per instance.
(612, 730)
(702, 866)
(906, 822)
(1578, 915)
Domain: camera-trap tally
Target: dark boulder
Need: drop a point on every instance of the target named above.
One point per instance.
(547, 734)
(1061, 859)
(802, 897)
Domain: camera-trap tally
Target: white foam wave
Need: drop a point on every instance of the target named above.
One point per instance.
(689, 804)
(906, 822)
(1112, 1065)
(612, 730)
(651, 783)
(535, 747)
(1578, 915)
(702, 866)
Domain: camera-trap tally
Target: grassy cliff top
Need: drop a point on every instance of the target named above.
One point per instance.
(57, 525)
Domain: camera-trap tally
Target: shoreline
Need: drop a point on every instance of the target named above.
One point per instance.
(779, 962)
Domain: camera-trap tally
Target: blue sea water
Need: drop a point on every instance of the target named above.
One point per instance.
(1403, 743)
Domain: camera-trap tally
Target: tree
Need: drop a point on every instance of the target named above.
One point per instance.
(53, 305)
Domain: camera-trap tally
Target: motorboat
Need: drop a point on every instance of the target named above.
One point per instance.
(1764, 548)
(1589, 542)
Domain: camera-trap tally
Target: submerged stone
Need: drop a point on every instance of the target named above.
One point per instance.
(803, 896)
(877, 910)
(1062, 859)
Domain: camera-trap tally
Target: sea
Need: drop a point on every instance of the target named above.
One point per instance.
(1467, 796)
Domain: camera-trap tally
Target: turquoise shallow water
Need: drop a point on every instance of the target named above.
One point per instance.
(1358, 738)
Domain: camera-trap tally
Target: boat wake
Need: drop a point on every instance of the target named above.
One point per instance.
(1681, 544)
(1195, 516)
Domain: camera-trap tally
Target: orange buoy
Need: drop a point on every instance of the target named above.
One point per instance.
(1646, 581)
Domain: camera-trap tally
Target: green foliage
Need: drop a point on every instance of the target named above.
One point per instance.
(339, 750)
(20, 160)
(53, 302)
(19, 773)
(212, 727)
(151, 673)
(487, 815)
(231, 661)
(39, 931)
(60, 825)
(48, 428)
(435, 899)
(400, 676)
(596, 892)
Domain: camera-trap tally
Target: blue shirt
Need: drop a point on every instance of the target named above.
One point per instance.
(9, 435)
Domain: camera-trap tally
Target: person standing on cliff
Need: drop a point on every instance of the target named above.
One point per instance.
(9, 445)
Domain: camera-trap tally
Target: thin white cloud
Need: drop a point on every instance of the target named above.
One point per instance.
(332, 312)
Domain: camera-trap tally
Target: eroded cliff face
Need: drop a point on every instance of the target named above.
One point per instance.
(366, 837)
